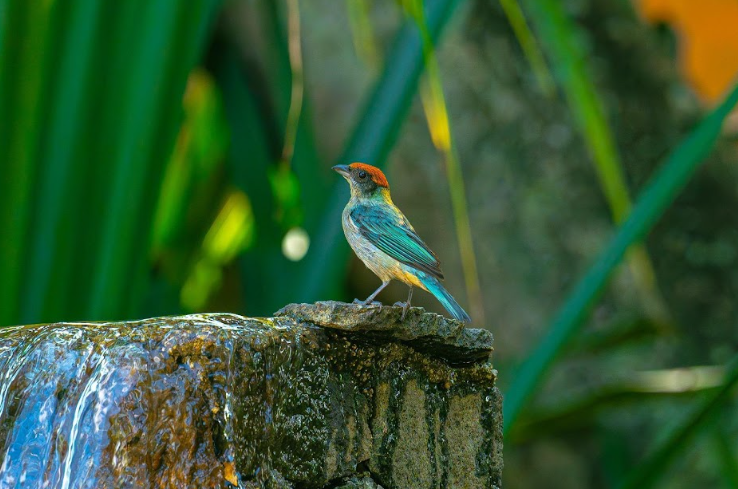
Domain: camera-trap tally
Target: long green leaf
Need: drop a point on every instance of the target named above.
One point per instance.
(559, 35)
(90, 97)
(561, 38)
(362, 32)
(64, 133)
(89, 187)
(192, 28)
(257, 102)
(576, 413)
(149, 86)
(661, 191)
(129, 166)
(439, 125)
(528, 43)
(647, 473)
(23, 100)
(727, 455)
(5, 42)
(249, 158)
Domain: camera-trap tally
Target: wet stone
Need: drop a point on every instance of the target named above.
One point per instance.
(429, 332)
(220, 400)
(358, 483)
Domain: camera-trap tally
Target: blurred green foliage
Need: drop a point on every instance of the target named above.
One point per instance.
(568, 56)
(159, 158)
(116, 204)
(91, 106)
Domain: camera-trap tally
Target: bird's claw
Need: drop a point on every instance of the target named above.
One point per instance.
(405, 306)
(365, 303)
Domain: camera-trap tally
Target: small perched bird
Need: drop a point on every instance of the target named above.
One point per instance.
(386, 242)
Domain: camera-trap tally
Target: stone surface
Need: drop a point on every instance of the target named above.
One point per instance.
(436, 334)
(221, 400)
(365, 482)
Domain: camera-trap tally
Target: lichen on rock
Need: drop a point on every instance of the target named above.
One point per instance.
(219, 400)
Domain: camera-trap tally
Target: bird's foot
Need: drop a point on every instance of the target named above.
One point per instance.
(365, 303)
(405, 306)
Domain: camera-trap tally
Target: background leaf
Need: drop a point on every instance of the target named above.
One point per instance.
(566, 49)
(648, 472)
(655, 198)
(72, 206)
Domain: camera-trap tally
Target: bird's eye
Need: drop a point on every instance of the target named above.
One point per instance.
(362, 175)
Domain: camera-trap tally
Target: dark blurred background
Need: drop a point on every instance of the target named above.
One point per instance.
(174, 156)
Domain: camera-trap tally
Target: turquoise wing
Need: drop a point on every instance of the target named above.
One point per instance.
(390, 232)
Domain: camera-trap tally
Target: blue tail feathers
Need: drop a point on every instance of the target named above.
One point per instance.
(435, 288)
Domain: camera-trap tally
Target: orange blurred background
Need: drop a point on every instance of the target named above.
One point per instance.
(707, 31)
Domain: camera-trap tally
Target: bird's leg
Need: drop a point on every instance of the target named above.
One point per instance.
(406, 305)
(374, 294)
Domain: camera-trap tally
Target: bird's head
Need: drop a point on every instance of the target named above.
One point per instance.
(366, 181)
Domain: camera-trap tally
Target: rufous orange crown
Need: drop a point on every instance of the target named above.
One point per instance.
(376, 174)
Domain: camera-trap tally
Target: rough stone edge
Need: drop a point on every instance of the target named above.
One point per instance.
(423, 330)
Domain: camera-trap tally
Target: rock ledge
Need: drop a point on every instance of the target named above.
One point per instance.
(220, 400)
(428, 332)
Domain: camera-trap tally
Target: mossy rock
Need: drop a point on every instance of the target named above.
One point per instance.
(220, 400)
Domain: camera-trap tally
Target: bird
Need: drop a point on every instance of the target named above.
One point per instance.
(383, 238)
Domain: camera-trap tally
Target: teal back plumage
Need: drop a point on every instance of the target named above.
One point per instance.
(388, 229)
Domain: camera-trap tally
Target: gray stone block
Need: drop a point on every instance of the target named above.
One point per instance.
(220, 400)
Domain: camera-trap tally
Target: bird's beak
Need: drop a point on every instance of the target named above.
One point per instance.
(343, 170)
